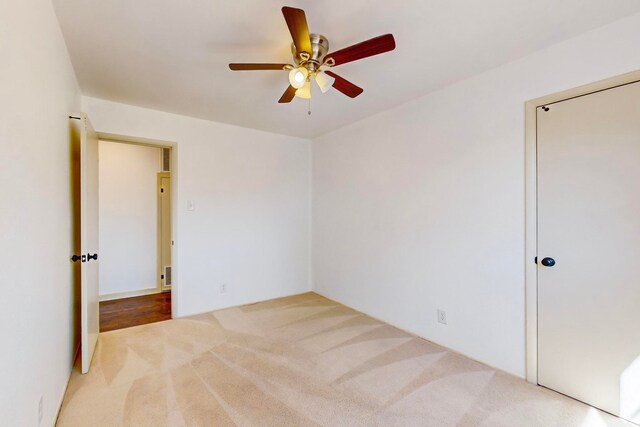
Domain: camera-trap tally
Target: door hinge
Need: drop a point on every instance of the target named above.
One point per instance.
(162, 276)
(162, 190)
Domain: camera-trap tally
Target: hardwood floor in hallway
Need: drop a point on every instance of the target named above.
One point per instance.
(134, 311)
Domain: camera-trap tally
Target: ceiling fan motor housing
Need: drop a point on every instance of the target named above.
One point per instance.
(319, 49)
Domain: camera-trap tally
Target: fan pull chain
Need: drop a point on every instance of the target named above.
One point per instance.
(309, 110)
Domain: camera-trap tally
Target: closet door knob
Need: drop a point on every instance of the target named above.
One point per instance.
(548, 262)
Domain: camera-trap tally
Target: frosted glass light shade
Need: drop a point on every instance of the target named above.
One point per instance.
(298, 77)
(305, 91)
(325, 81)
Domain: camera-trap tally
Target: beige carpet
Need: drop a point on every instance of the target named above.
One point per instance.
(300, 361)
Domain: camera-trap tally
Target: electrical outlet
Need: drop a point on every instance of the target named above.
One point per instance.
(40, 410)
(223, 288)
(442, 317)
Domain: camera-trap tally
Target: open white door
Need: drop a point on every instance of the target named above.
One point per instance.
(89, 296)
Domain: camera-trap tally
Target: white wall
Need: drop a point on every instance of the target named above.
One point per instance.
(422, 207)
(128, 217)
(38, 90)
(251, 191)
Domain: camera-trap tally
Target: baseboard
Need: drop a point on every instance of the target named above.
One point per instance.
(251, 302)
(129, 294)
(64, 392)
(420, 336)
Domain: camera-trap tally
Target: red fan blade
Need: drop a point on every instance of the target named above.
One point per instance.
(288, 95)
(345, 86)
(252, 67)
(297, 23)
(374, 46)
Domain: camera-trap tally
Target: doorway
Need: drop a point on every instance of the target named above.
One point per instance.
(134, 233)
(583, 241)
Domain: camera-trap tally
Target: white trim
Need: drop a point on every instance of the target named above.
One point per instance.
(531, 208)
(251, 302)
(531, 245)
(310, 279)
(112, 137)
(413, 333)
(66, 386)
(129, 294)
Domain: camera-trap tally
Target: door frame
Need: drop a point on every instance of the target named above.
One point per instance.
(173, 167)
(531, 206)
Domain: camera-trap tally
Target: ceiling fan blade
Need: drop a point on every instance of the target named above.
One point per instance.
(253, 67)
(288, 95)
(297, 23)
(345, 86)
(371, 47)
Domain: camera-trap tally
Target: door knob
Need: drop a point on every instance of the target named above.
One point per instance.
(76, 258)
(90, 257)
(548, 262)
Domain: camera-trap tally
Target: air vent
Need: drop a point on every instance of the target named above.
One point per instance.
(167, 275)
(166, 160)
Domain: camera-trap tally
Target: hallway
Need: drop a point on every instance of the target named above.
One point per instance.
(134, 311)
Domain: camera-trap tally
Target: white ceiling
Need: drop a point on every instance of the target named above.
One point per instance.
(172, 55)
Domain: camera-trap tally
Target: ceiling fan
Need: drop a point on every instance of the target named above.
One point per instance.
(312, 59)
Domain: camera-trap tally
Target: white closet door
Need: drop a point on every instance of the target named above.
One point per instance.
(589, 224)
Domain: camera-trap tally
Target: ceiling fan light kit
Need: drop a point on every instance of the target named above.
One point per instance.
(324, 81)
(304, 91)
(298, 77)
(312, 59)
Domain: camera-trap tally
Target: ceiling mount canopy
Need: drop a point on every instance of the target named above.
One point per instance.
(312, 59)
